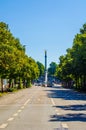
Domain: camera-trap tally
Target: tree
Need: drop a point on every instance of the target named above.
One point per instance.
(79, 58)
(72, 66)
(41, 68)
(14, 63)
(52, 69)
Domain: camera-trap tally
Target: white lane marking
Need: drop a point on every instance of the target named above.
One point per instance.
(53, 102)
(22, 107)
(10, 119)
(58, 114)
(26, 102)
(56, 110)
(16, 114)
(19, 110)
(4, 125)
(64, 126)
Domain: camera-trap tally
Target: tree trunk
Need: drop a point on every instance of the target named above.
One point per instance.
(84, 82)
(20, 83)
(10, 81)
(76, 82)
(1, 85)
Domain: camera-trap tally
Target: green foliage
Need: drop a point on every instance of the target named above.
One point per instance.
(72, 66)
(11, 89)
(14, 63)
(41, 68)
(52, 69)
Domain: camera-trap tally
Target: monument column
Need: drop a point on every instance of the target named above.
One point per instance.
(45, 68)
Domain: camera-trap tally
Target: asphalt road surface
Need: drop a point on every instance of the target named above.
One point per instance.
(43, 108)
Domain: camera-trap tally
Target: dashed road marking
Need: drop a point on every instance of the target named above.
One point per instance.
(58, 114)
(19, 110)
(4, 125)
(53, 102)
(26, 102)
(56, 110)
(10, 119)
(16, 114)
(64, 126)
(22, 107)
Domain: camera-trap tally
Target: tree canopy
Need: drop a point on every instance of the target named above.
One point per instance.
(52, 69)
(14, 63)
(41, 68)
(72, 66)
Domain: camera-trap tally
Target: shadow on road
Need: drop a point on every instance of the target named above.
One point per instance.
(68, 117)
(73, 107)
(66, 94)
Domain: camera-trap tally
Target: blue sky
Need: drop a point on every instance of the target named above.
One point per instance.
(44, 24)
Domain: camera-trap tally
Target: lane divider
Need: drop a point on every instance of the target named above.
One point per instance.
(56, 110)
(16, 114)
(63, 126)
(26, 102)
(22, 107)
(10, 119)
(53, 102)
(4, 125)
(19, 111)
(58, 114)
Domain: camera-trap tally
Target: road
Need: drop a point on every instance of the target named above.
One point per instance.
(43, 108)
